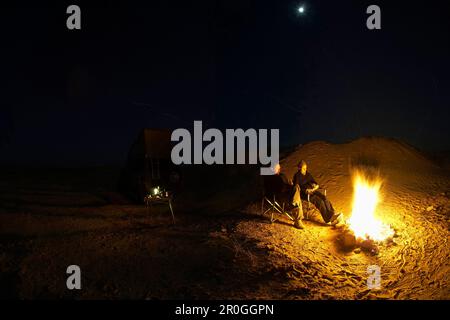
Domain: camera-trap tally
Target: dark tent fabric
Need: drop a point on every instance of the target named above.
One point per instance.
(148, 164)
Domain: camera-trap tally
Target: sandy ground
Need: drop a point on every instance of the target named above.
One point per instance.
(50, 220)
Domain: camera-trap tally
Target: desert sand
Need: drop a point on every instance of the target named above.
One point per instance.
(50, 219)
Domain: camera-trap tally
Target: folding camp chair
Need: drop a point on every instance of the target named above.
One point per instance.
(274, 206)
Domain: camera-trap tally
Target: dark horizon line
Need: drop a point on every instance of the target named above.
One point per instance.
(432, 155)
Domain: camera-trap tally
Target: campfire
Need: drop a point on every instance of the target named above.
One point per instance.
(363, 221)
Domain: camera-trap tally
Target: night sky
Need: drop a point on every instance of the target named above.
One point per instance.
(72, 98)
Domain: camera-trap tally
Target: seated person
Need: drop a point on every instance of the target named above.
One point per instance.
(277, 186)
(308, 186)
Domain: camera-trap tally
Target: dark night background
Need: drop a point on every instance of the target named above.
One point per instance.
(81, 97)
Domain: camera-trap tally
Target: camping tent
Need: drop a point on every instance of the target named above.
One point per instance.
(148, 164)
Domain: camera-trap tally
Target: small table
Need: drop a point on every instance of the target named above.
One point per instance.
(159, 197)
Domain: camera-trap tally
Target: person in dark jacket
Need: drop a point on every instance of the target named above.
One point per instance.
(309, 186)
(276, 184)
(279, 187)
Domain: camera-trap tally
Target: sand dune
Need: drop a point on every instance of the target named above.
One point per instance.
(51, 220)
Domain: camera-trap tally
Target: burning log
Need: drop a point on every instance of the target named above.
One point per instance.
(350, 242)
(363, 229)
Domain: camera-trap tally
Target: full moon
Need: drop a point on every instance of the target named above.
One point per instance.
(301, 9)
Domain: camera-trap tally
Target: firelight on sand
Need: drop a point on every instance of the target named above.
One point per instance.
(366, 196)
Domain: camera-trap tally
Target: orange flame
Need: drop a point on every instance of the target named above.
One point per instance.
(366, 196)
